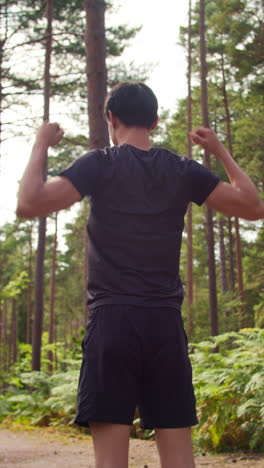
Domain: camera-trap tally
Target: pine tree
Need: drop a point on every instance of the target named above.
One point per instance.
(209, 214)
(52, 320)
(189, 274)
(39, 282)
(96, 72)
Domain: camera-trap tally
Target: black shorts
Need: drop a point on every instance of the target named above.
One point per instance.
(136, 357)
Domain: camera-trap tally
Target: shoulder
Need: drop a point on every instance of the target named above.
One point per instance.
(87, 159)
(109, 153)
(173, 159)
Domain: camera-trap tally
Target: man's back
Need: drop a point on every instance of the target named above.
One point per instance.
(135, 226)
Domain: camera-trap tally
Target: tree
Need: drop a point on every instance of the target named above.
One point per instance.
(38, 311)
(222, 256)
(95, 46)
(52, 294)
(30, 286)
(209, 214)
(189, 211)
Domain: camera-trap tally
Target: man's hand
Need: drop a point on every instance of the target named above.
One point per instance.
(49, 134)
(207, 138)
(239, 198)
(37, 197)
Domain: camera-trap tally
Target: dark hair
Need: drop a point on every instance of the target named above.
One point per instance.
(134, 103)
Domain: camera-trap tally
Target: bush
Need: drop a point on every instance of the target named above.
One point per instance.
(229, 385)
(42, 399)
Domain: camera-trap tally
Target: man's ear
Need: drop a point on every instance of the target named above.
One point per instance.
(113, 119)
(154, 125)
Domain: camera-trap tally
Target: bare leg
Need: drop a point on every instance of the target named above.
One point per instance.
(175, 447)
(111, 444)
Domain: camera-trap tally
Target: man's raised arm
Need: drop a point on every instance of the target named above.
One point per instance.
(37, 197)
(240, 198)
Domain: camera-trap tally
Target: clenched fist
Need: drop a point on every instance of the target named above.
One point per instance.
(49, 134)
(206, 138)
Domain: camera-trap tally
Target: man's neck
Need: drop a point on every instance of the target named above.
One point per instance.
(135, 136)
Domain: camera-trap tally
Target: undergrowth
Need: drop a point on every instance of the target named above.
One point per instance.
(228, 377)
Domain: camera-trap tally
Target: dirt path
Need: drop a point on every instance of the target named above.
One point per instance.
(44, 450)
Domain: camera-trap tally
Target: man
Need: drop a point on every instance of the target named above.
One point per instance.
(135, 347)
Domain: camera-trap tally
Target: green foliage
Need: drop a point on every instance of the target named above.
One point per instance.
(229, 384)
(15, 286)
(41, 399)
(228, 380)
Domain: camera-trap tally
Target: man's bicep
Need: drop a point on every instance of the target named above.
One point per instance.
(57, 194)
(230, 201)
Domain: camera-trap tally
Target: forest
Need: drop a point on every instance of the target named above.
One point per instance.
(70, 56)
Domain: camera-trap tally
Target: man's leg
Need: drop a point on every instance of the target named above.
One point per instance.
(111, 444)
(175, 447)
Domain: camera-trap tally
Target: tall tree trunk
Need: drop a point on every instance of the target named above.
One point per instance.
(52, 294)
(55, 347)
(9, 334)
(209, 213)
(14, 331)
(189, 211)
(222, 256)
(231, 256)
(96, 72)
(5, 334)
(2, 344)
(1, 90)
(3, 18)
(29, 290)
(39, 283)
(65, 341)
(243, 319)
(95, 45)
(1, 339)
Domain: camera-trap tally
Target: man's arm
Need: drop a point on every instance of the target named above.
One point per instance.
(37, 198)
(239, 198)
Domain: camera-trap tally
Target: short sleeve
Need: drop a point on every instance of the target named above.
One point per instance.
(202, 182)
(83, 173)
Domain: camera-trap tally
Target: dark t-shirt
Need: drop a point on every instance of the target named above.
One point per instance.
(138, 202)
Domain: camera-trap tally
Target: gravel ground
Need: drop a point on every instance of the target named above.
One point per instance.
(43, 449)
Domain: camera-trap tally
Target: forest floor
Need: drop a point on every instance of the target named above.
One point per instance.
(53, 449)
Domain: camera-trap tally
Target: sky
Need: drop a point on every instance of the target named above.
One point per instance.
(155, 44)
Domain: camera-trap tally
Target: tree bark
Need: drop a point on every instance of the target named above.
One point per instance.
(5, 334)
(243, 319)
(231, 256)
(96, 72)
(9, 336)
(95, 45)
(1, 339)
(209, 214)
(189, 298)
(29, 291)
(14, 331)
(222, 250)
(52, 294)
(55, 350)
(39, 283)
(2, 43)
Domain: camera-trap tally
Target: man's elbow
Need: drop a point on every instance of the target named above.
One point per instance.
(256, 213)
(24, 211)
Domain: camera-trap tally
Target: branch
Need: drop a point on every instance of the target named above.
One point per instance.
(33, 41)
